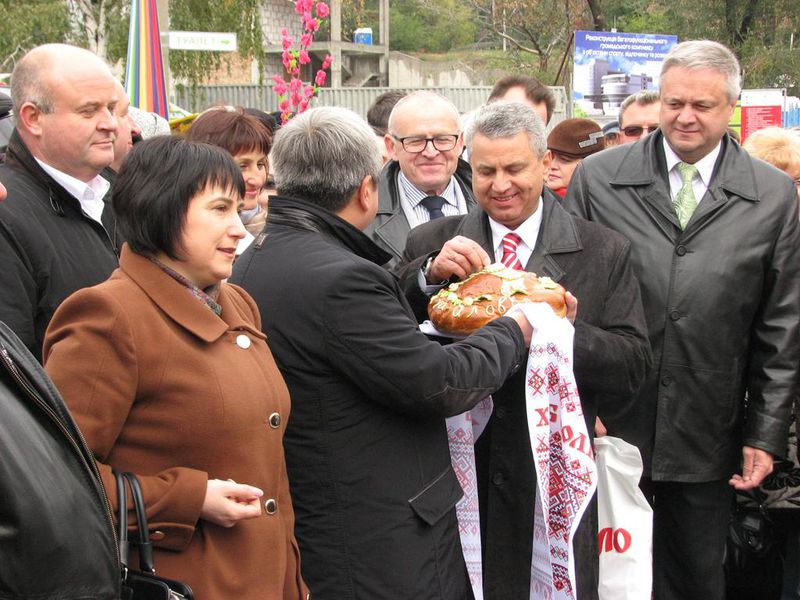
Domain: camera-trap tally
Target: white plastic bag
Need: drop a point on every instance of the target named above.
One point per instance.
(625, 523)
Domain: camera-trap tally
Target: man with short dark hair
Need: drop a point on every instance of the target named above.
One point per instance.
(378, 118)
(716, 249)
(638, 116)
(611, 354)
(528, 90)
(426, 179)
(57, 228)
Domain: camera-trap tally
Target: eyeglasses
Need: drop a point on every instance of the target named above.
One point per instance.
(415, 145)
(636, 130)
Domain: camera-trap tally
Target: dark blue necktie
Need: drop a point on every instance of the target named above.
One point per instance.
(434, 205)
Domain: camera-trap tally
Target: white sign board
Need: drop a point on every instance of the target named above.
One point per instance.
(202, 40)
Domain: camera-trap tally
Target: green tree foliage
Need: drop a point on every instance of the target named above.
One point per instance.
(759, 31)
(425, 25)
(28, 24)
(238, 16)
(102, 26)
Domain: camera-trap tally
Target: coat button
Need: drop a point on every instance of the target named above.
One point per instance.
(680, 250)
(674, 315)
(271, 506)
(243, 341)
(275, 420)
(157, 536)
(666, 380)
(500, 412)
(498, 478)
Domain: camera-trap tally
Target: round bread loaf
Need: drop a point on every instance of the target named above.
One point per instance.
(465, 306)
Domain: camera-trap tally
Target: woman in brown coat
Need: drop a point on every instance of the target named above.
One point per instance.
(168, 375)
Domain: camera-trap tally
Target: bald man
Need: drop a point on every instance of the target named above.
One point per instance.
(427, 179)
(57, 229)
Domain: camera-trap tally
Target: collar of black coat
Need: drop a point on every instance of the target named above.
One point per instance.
(19, 158)
(644, 161)
(302, 214)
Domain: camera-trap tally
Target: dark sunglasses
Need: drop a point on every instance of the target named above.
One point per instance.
(636, 130)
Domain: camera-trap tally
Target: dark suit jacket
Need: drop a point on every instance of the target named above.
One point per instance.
(389, 229)
(611, 358)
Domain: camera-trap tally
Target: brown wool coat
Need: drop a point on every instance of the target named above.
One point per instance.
(161, 386)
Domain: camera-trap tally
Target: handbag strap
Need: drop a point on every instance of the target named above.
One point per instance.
(144, 543)
(122, 519)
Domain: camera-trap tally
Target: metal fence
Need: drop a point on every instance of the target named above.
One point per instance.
(357, 99)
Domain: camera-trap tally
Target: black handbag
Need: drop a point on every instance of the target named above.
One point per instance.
(753, 556)
(143, 584)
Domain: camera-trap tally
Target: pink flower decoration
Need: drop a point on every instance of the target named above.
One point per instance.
(295, 94)
(280, 88)
(303, 6)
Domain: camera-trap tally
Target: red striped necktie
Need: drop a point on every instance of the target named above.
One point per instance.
(510, 258)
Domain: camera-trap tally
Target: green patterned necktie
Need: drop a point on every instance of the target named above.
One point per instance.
(685, 202)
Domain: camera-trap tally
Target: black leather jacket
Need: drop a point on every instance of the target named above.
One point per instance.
(721, 299)
(57, 537)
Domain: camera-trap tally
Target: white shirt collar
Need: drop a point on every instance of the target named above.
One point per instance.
(705, 166)
(528, 230)
(414, 195)
(90, 194)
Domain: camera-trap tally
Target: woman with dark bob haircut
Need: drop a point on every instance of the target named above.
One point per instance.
(168, 375)
(249, 141)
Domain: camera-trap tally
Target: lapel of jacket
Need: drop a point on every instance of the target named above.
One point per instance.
(557, 235)
(643, 172)
(475, 226)
(391, 225)
(733, 177)
(176, 302)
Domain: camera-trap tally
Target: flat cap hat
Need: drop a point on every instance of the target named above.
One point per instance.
(577, 138)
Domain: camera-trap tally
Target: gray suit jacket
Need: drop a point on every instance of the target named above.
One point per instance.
(390, 227)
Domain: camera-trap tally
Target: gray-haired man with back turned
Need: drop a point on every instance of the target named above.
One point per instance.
(367, 453)
(716, 249)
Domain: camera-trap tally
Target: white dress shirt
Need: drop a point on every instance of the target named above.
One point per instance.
(416, 213)
(90, 195)
(528, 231)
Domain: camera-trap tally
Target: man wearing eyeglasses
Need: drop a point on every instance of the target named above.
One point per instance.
(638, 116)
(427, 179)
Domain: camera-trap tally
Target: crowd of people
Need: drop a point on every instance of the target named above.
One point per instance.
(255, 357)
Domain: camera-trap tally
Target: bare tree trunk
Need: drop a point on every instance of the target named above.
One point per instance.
(598, 18)
(88, 19)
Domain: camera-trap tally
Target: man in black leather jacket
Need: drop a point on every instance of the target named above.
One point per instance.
(58, 540)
